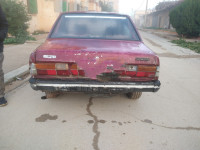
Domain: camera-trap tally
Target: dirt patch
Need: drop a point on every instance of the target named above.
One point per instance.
(148, 121)
(155, 44)
(46, 117)
(119, 123)
(114, 121)
(102, 121)
(90, 121)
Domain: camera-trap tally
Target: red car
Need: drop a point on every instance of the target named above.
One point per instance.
(97, 53)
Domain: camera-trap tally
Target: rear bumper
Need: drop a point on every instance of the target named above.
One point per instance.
(93, 86)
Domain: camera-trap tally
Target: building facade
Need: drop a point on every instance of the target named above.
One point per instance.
(160, 17)
(113, 3)
(45, 12)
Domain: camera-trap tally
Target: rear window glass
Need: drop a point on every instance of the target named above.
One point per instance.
(94, 27)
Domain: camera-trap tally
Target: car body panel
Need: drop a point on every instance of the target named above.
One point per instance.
(94, 56)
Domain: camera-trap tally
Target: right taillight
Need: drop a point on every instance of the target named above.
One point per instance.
(150, 71)
(144, 68)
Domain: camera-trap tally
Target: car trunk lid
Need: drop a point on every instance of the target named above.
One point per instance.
(96, 56)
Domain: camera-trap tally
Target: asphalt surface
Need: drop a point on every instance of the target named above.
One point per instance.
(166, 120)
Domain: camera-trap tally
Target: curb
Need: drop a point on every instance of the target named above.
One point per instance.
(10, 76)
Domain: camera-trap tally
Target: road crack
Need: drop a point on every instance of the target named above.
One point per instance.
(175, 128)
(147, 121)
(95, 125)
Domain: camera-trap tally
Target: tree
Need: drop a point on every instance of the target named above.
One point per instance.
(17, 16)
(106, 7)
(185, 18)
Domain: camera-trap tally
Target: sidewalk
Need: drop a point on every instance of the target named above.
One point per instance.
(167, 34)
(16, 57)
(170, 35)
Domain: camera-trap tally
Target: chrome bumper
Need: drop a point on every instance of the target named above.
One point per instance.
(93, 86)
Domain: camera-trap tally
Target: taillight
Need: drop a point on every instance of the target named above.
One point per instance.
(157, 71)
(59, 69)
(73, 67)
(74, 72)
(131, 68)
(139, 71)
(60, 66)
(33, 70)
(131, 73)
(81, 73)
(45, 66)
(147, 68)
(46, 72)
(63, 72)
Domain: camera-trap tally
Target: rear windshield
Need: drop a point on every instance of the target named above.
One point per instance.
(94, 27)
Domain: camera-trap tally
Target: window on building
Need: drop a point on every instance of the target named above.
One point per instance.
(32, 6)
(64, 6)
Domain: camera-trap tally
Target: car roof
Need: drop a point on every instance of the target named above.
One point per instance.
(95, 13)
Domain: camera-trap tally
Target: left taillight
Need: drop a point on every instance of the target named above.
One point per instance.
(56, 69)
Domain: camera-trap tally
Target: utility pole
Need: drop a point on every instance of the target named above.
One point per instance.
(146, 14)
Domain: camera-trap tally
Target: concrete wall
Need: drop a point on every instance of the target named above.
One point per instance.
(49, 10)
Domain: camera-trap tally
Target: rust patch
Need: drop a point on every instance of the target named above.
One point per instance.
(46, 117)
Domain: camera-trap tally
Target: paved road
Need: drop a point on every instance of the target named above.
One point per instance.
(167, 120)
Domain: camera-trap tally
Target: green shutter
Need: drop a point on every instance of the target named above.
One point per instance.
(64, 6)
(32, 6)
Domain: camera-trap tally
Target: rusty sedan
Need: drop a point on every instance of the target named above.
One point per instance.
(96, 53)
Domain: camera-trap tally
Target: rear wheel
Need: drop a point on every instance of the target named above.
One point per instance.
(134, 95)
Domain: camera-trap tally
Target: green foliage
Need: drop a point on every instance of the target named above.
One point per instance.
(17, 17)
(185, 18)
(106, 7)
(37, 32)
(13, 40)
(195, 46)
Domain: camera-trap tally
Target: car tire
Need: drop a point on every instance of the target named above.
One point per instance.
(134, 95)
